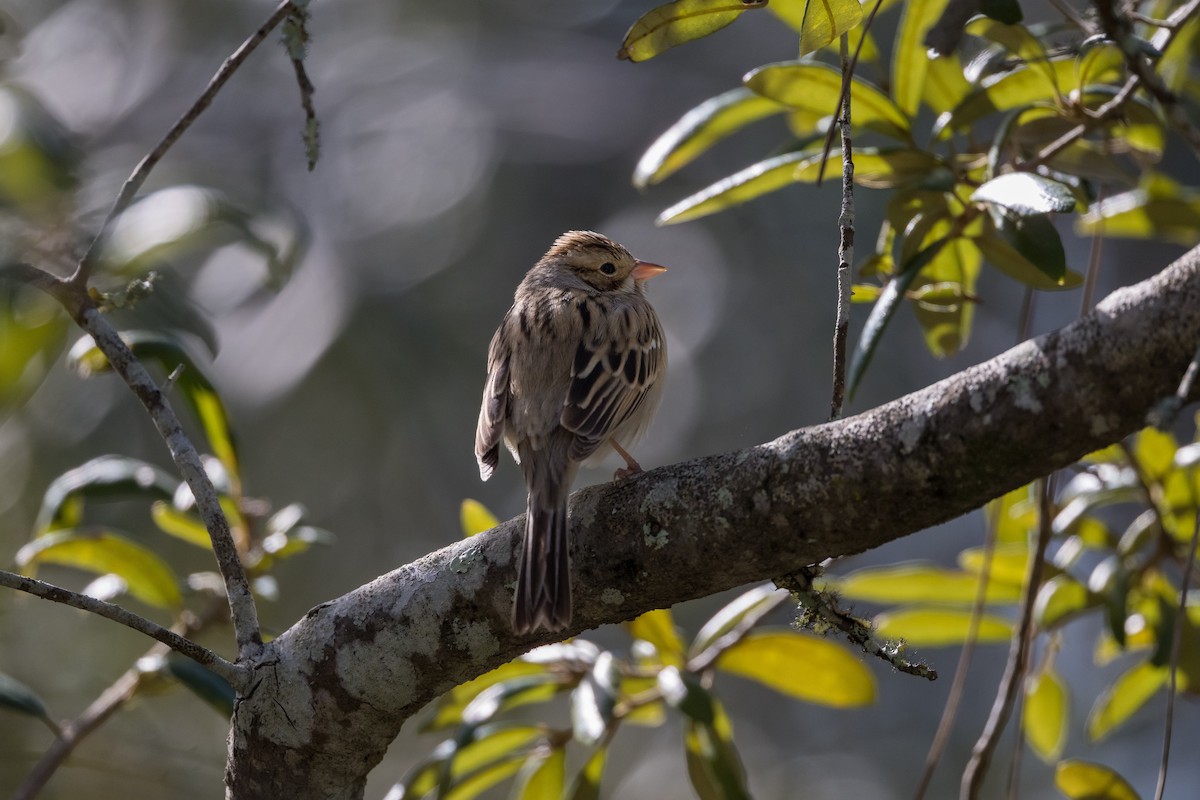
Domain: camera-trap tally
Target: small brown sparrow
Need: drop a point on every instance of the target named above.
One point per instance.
(574, 372)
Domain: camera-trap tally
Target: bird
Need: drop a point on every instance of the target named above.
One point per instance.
(574, 372)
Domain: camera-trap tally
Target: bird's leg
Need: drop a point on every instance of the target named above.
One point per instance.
(632, 467)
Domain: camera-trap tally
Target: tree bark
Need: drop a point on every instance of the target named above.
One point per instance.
(331, 693)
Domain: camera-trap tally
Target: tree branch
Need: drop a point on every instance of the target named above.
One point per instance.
(332, 692)
(142, 171)
(180, 644)
(187, 460)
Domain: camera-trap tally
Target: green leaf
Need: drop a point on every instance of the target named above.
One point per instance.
(543, 777)
(205, 684)
(169, 223)
(1127, 694)
(819, 22)
(920, 583)
(910, 60)
(1145, 214)
(945, 86)
(180, 524)
(586, 785)
(1155, 453)
(510, 694)
(758, 179)
(102, 478)
(1045, 716)
(698, 130)
(102, 551)
(16, 696)
(817, 87)
(484, 778)
(1009, 562)
(1025, 194)
(943, 293)
(713, 764)
(1027, 252)
(475, 517)
(804, 667)
(1060, 599)
(33, 330)
(683, 21)
(1018, 40)
(195, 386)
(1082, 780)
(746, 609)
(939, 627)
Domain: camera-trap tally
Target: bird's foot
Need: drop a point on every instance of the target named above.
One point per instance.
(632, 467)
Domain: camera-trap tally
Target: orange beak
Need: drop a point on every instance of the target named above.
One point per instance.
(644, 270)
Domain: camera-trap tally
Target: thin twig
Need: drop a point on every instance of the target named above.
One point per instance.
(950, 711)
(847, 78)
(1162, 416)
(124, 689)
(1117, 27)
(183, 452)
(180, 644)
(134, 182)
(841, 330)
(295, 39)
(1093, 273)
(821, 612)
(1176, 642)
(1018, 653)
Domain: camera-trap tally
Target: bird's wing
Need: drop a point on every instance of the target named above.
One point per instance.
(608, 383)
(494, 408)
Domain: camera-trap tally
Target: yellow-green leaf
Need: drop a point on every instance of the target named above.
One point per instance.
(543, 777)
(1006, 258)
(658, 628)
(758, 179)
(817, 88)
(910, 61)
(1009, 562)
(946, 318)
(698, 130)
(475, 517)
(919, 583)
(818, 22)
(180, 524)
(938, 627)
(1059, 599)
(1097, 63)
(1139, 214)
(865, 293)
(1082, 780)
(945, 85)
(450, 706)
(493, 743)
(1126, 695)
(1047, 710)
(1016, 39)
(673, 24)
(484, 778)
(1155, 452)
(804, 667)
(147, 577)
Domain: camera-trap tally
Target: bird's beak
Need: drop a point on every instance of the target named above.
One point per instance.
(644, 270)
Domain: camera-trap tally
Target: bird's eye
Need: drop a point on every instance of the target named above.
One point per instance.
(608, 268)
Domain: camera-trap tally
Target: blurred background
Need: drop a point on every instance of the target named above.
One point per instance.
(458, 140)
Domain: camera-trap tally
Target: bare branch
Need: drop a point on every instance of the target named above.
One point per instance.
(841, 329)
(1018, 657)
(134, 182)
(183, 452)
(180, 644)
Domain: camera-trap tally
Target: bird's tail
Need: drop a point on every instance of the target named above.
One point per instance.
(544, 575)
